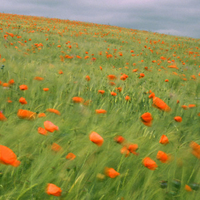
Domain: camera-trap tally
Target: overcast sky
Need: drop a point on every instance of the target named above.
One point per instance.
(175, 17)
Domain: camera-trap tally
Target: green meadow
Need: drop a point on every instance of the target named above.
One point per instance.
(62, 53)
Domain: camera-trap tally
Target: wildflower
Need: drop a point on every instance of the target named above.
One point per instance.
(166, 80)
(127, 98)
(26, 114)
(195, 149)
(38, 78)
(111, 77)
(22, 100)
(188, 188)
(191, 105)
(56, 147)
(96, 138)
(125, 151)
(87, 78)
(147, 119)
(184, 107)
(149, 163)
(159, 103)
(11, 82)
(70, 156)
(53, 190)
(60, 72)
(41, 115)
(2, 117)
(46, 89)
(77, 99)
(113, 94)
(101, 91)
(110, 172)
(42, 131)
(101, 111)
(8, 157)
(119, 139)
(141, 75)
(23, 87)
(119, 89)
(49, 126)
(52, 110)
(132, 148)
(178, 119)
(164, 140)
(162, 156)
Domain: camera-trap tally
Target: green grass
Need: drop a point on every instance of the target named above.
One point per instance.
(78, 178)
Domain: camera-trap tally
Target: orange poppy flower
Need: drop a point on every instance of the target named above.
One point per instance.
(195, 149)
(188, 188)
(149, 163)
(132, 148)
(111, 77)
(22, 100)
(77, 99)
(49, 126)
(38, 78)
(119, 89)
(141, 75)
(110, 172)
(191, 105)
(26, 114)
(162, 156)
(53, 190)
(135, 70)
(52, 110)
(112, 83)
(41, 115)
(42, 131)
(46, 89)
(119, 139)
(96, 138)
(101, 111)
(124, 77)
(164, 140)
(127, 98)
(101, 91)
(113, 94)
(147, 119)
(101, 68)
(11, 81)
(5, 85)
(125, 151)
(60, 72)
(2, 117)
(8, 157)
(70, 156)
(178, 119)
(184, 107)
(23, 87)
(166, 80)
(87, 78)
(173, 66)
(56, 147)
(159, 103)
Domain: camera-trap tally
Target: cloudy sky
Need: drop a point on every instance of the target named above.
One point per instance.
(175, 17)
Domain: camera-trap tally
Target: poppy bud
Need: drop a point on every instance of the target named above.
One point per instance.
(176, 184)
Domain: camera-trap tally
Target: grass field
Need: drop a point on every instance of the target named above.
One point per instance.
(77, 59)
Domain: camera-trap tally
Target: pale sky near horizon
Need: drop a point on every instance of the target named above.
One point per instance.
(175, 17)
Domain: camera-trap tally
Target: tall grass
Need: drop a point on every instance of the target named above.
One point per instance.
(78, 178)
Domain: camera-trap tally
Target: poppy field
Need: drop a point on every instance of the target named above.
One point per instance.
(91, 111)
